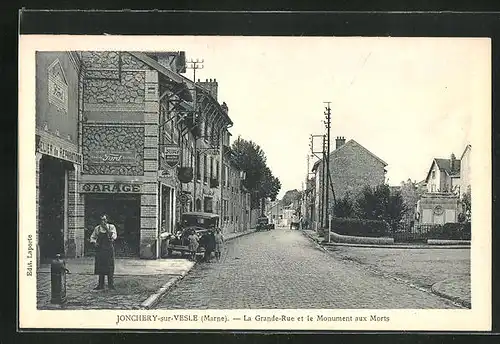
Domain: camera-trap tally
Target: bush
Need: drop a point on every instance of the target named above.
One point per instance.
(360, 227)
(451, 231)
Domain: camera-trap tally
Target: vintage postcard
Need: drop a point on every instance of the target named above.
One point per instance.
(266, 183)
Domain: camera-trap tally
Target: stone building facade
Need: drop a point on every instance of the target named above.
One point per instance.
(120, 132)
(235, 206)
(58, 154)
(130, 137)
(352, 167)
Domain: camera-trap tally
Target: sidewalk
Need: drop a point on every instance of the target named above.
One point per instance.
(139, 282)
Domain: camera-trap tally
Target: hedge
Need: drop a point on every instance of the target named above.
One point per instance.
(360, 227)
(451, 231)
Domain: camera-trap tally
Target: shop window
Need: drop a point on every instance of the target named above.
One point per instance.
(198, 163)
(212, 168)
(205, 169)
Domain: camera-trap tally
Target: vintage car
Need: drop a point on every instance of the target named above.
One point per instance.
(198, 222)
(263, 224)
(295, 222)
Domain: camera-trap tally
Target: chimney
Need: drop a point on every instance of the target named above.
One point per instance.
(339, 142)
(452, 162)
(211, 86)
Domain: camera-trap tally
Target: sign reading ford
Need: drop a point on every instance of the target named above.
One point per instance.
(112, 158)
(172, 154)
(110, 188)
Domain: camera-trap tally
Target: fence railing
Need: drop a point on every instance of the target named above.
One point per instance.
(418, 232)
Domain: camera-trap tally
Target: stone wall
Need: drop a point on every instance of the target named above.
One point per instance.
(351, 169)
(109, 59)
(129, 89)
(114, 139)
(108, 81)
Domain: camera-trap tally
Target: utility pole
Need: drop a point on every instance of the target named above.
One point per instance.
(320, 154)
(324, 184)
(306, 195)
(328, 126)
(195, 64)
(195, 137)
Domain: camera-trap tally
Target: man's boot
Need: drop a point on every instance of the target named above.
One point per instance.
(100, 286)
(111, 284)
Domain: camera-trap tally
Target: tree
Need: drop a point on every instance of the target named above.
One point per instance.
(290, 196)
(260, 181)
(365, 204)
(380, 204)
(248, 156)
(465, 216)
(396, 209)
(344, 207)
(267, 186)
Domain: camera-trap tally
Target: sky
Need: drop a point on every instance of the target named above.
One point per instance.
(406, 100)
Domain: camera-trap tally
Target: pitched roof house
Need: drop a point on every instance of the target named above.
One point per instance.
(443, 175)
(352, 167)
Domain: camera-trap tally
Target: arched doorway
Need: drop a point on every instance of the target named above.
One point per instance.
(198, 204)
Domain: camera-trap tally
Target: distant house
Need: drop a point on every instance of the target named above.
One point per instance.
(446, 181)
(443, 175)
(352, 167)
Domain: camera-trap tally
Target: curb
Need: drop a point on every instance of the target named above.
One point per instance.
(448, 242)
(425, 246)
(456, 299)
(242, 234)
(153, 299)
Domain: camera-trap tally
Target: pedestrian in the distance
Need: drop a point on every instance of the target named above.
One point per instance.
(193, 244)
(103, 238)
(219, 243)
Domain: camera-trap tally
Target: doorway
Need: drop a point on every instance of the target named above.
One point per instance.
(51, 208)
(124, 212)
(208, 204)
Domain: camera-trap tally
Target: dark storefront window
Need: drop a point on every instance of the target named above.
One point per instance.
(124, 212)
(198, 163)
(205, 169)
(208, 205)
(51, 216)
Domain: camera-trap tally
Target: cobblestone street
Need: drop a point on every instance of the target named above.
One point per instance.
(283, 269)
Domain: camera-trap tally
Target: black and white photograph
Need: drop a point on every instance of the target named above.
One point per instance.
(233, 182)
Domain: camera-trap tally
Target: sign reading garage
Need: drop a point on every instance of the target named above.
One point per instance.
(110, 188)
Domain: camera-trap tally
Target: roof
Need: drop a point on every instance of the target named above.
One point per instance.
(444, 165)
(351, 142)
(201, 214)
(177, 78)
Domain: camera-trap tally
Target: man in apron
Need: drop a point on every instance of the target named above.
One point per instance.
(103, 238)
